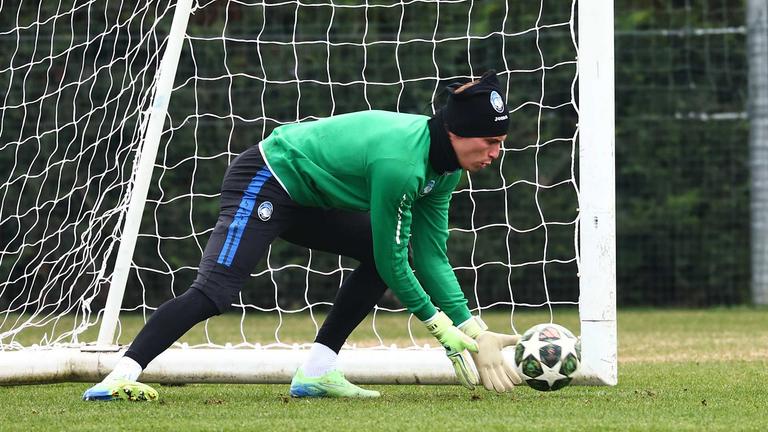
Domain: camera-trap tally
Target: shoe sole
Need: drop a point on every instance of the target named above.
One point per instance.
(300, 391)
(130, 393)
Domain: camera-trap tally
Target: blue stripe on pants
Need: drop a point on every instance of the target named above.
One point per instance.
(237, 226)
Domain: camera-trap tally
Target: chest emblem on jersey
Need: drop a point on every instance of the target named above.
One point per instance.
(265, 211)
(496, 101)
(428, 188)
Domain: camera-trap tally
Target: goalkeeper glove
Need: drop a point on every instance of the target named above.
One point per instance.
(495, 373)
(455, 343)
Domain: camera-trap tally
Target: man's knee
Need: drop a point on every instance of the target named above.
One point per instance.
(221, 292)
(213, 306)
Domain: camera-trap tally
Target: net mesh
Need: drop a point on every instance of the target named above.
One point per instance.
(79, 82)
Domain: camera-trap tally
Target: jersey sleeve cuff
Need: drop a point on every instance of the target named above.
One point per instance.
(425, 312)
(458, 314)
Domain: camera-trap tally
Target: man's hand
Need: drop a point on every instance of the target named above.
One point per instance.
(455, 342)
(495, 373)
(463, 369)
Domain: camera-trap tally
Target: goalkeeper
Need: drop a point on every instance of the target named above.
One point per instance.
(363, 185)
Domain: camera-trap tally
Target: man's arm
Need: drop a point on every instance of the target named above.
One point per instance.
(391, 201)
(392, 194)
(430, 259)
(430, 236)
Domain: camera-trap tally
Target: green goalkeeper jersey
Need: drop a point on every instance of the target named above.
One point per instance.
(378, 161)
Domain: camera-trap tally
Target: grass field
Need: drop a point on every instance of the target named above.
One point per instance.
(678, 370)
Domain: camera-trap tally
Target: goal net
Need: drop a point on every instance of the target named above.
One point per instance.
(103, 104)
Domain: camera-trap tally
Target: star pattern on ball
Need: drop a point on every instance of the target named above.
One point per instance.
(533, 347)
(567, 344)
(551, 374)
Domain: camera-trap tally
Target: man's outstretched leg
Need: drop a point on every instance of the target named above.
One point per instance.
(240, 238)
(169, 322)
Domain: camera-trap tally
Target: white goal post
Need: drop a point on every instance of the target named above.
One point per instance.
(67, 357)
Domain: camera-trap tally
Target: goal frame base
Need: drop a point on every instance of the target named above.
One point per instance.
(242, 366)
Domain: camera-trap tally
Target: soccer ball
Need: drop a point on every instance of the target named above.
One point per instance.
(547, 357)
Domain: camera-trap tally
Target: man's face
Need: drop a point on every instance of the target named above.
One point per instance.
(476, 153)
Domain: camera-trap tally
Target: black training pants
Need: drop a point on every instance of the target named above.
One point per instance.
(255, 210)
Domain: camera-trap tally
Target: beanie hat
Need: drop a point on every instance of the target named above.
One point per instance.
(478, 110)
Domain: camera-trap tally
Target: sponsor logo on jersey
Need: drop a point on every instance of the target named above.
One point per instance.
(500, 118)
(265, 211)
(428, 188)
(497, 102)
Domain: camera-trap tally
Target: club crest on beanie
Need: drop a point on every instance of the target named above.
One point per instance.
(478, 110)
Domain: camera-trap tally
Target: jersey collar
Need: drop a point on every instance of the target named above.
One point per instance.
(442, 157)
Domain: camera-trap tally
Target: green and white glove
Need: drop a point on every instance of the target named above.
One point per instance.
(455, 343)
(495, 372)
